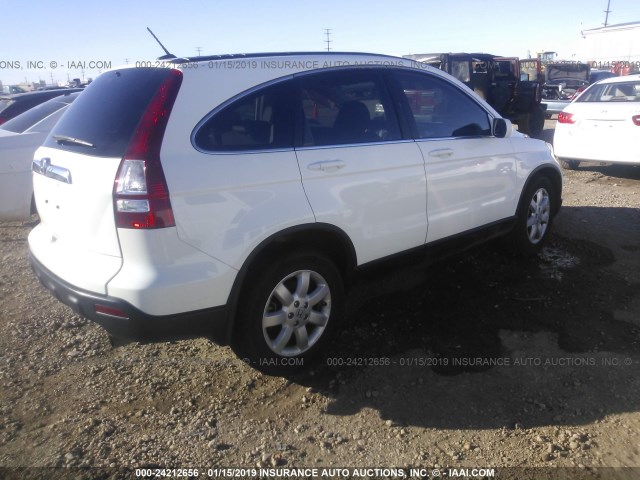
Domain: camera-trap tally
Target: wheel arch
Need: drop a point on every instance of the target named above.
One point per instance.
(324, 238)
(554, 176)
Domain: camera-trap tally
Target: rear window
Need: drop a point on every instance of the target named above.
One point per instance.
(612, 92)
(263, 120)
(107, 113)
(28, 119)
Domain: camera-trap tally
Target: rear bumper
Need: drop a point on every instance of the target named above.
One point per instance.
(139, 326)
(570, 142)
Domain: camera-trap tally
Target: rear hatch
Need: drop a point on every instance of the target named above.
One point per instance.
(564, 80)
(74, 174)
(574, 71)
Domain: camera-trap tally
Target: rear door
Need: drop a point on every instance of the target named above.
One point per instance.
(506, 72)
(241, 182)
(74, 175)
(358, 172)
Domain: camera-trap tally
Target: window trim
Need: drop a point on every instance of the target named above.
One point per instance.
(351, 145)
(388, 81)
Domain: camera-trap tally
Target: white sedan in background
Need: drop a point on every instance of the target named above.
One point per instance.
(602, 124)
(19, 139)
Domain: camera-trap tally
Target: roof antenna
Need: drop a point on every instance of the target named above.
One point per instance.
(607, 11)
(163, 57)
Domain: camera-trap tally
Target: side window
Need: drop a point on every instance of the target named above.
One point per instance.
(460, 70)
(261, 120)
(479, 66)
(346, 107)
(440, 109)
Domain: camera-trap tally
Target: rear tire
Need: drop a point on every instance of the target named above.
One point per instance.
(288, 313)
(569, 164)
(535, 215)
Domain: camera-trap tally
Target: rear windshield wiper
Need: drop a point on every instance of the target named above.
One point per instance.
(64, 140)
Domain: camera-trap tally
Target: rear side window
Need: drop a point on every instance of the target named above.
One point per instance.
(612, 92)
(260, 120)
(440, 109)
(347, 107)
(107, 113)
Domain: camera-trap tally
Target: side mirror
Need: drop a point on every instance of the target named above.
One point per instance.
(500, 127)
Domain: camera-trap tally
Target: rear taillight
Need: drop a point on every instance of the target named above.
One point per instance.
(2, 120)
(140, 194)
(636, 120)
(564, 117)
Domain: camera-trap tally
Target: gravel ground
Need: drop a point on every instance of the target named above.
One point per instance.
(481, 360)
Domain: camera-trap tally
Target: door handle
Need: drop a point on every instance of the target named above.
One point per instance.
(44, 167)
(441, 153)
(327, 165)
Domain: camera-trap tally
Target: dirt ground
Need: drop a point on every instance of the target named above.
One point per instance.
(483, 360)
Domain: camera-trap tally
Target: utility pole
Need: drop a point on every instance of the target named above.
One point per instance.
(607, 11)
(199, 49)
(327, 32)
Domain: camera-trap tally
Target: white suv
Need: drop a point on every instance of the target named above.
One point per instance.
(235, 196)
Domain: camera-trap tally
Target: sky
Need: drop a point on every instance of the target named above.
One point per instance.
(55, 37)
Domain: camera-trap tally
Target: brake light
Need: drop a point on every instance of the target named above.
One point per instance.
(564, 117)
(636, 120)
(140, 193)
(2, 120)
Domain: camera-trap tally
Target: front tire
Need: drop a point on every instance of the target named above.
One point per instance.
(288, 314)
(534, 217)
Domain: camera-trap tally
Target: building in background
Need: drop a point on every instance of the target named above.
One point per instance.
(606, 47)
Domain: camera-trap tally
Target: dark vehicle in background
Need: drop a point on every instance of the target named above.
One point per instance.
(597, 75)
(13, 105)
(500, 81)
(564, 80)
